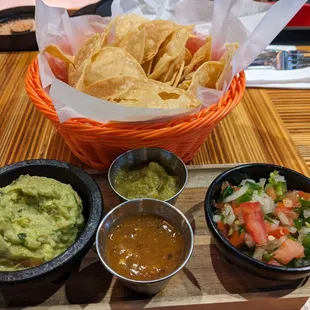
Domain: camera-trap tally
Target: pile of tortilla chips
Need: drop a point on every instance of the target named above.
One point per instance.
(136, 62)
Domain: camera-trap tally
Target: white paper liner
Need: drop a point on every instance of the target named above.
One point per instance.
(225, 20)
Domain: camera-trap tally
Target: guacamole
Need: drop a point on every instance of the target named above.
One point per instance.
(39, 219)
(148, 181)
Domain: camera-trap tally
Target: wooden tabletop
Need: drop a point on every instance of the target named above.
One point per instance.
(267, 126)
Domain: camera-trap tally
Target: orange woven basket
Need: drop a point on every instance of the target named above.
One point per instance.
(98, 144)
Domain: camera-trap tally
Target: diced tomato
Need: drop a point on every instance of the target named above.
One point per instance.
(234, 205)
(254, 221)
(220, 225)
(237, 211)
(279, 232)
(238, 214)
(236, 239)
(287, 211)
(270, 191)
(223, 228)
(270, 226)
(304, 195)
(288, 250)
(274, 262)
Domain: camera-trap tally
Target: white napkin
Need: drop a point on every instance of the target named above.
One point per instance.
(291, 79)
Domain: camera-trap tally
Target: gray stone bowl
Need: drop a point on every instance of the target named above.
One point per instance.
(60, 267)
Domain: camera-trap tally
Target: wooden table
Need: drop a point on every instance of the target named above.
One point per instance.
(267, 126)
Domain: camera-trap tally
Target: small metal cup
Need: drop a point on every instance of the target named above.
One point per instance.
(145, 155)
(161, 208)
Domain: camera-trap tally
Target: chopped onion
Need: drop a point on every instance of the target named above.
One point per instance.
(274, 226)
(235, 195)
(268, 205)
(276, 222)
(249, 240)
(275, 243)
(283, 218)
(246, 180)
(279, 178)
(306, 213)
(228, 214)
(302, 233)
(304, 230)
(217, 218)
(258, 198)
(266, 202)
(301, 237)
(262, 182)
(292, 229)
(259, 251)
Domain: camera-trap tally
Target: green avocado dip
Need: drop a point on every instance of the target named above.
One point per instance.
(148, 181)
(39, 219)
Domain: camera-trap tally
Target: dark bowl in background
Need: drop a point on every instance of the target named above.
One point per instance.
(24, 41)
(235, 175)
(102, 8)
(57, 269)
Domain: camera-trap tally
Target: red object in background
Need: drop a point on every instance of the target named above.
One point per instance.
(302, 18)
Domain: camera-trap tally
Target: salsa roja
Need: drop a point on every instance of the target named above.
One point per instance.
(145, 247)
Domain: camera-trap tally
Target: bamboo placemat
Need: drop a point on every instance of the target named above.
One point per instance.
(294, 109)
(253, 132)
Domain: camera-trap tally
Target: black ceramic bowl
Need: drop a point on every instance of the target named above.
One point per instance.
(235, 175)
(23, 41)
(56, 269)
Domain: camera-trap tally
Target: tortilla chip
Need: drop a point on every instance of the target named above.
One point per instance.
(134, 44)
(147, 67)
(157, 32)
(174, 67)
(207, 75)
(90, 48)
(104, 36)
(79, 79)
(178, 77)
(133, 92)
(185, 84)
(226, 61)
(56, 52)
(201, 56)
(188, 56)
(170, 50)
(71, 75)
(112, 62)
(172, 79)
(121, 26)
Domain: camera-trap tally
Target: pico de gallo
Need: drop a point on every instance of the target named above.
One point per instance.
(265, 220)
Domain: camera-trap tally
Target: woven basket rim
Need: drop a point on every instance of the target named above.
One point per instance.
(216, 111)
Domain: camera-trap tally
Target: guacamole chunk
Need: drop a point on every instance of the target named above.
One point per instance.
(39, 219)
(149, 181)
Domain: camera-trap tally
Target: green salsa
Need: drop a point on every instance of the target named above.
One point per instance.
(148, 181)
(39, 219)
